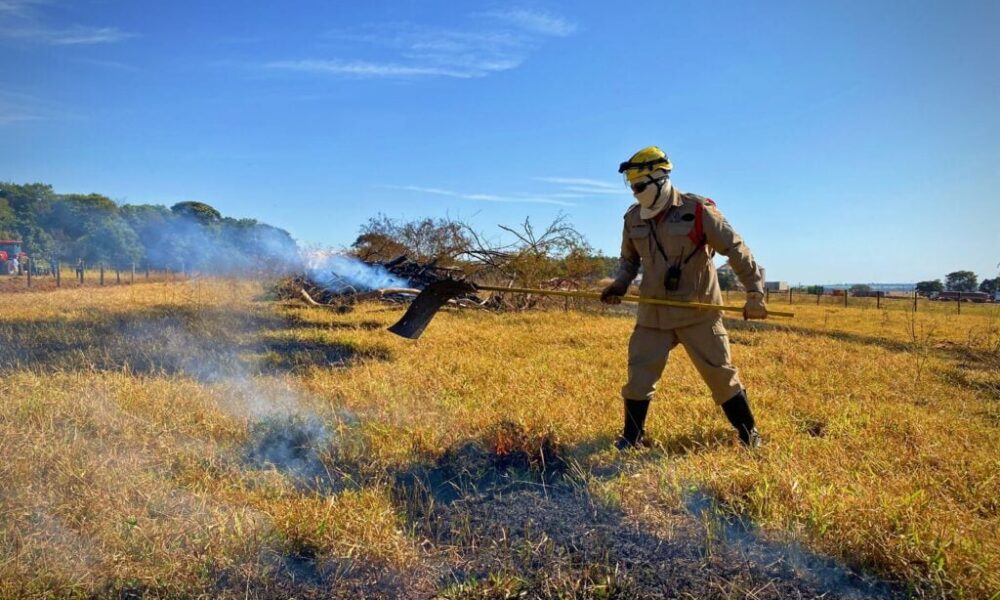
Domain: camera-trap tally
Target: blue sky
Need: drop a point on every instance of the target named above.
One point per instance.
(846, 141)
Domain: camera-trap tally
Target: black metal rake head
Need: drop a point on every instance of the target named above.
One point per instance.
(427, 303)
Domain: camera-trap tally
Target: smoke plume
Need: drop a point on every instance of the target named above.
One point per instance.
(340, 272)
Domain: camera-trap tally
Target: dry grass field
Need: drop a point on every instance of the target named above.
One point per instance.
(191, 439)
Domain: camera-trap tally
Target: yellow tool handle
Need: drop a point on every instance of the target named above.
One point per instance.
(657, 301)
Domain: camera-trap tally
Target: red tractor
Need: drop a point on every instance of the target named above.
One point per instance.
(10, 249)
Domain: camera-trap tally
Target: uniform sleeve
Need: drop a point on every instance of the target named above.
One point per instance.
(628, 263)
(721, 237)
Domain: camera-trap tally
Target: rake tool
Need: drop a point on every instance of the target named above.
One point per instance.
(434, 296)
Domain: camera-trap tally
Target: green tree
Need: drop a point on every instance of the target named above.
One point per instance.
(154, 225)
(199, 211)
(8, 220)
(990, 286)
(727, 279)
(110, 241)
(28, 200)
(926, 288)
(860, 289)
(30, 204)
(961, 281)
(71, 215)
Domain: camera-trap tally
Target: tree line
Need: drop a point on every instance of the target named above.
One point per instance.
(96, 229)
(959, 281)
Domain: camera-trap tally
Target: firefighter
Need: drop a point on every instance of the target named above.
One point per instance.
(674, 235)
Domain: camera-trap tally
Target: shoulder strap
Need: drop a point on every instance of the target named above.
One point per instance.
(697, 233)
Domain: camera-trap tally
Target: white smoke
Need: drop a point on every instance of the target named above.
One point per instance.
(337, 272)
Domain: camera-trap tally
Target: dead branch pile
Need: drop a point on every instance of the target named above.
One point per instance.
(337, 292)
(328, 289)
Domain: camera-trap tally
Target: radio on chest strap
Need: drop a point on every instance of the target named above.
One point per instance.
(696, 235)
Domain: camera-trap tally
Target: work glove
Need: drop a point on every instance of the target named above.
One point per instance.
(754, 307)
(614, 292)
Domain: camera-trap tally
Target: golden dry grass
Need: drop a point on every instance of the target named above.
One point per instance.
(136, 458)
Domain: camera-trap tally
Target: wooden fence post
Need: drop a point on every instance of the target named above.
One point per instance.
(959, 303)
(789, 295)
(767, 295)
(845, 298)
(131, 277)
(102, 273)
(58, 273)
(118, 276)
(914, 300)
(28, 262)
(147, 271)
(878, 299)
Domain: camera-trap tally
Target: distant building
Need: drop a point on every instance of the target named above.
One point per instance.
(776, 286)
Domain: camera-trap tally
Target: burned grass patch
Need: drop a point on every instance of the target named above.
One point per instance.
(503, 454)
(504, 459)
(789, 569)
(317, 456)
(560, 541)
(298, 447)
(298, 569)
(499, 524)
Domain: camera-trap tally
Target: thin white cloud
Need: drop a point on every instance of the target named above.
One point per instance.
(515, 199)
(19, 7)
(597, 191)
(585, 187)
(360, 68)
(11, 118)
(579, 181)
(407, 50)
(107, 64)
(535, 21)
(80, 35)
(17, 108)
(22, 21)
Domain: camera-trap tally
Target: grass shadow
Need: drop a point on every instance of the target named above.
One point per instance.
(207, 344)
(950, 350)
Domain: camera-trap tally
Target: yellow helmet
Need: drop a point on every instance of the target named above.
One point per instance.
(644, 162)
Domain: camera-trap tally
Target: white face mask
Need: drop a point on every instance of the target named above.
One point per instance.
(649, 196)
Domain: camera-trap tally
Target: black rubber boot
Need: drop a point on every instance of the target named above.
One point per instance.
(737, 410)
(635, 419)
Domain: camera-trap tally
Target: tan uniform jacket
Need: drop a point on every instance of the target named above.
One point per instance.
(698, 280)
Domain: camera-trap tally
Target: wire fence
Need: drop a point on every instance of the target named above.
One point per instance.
(58, 274)
(905, 301)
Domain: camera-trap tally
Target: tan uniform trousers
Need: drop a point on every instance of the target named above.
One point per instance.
(707, 344)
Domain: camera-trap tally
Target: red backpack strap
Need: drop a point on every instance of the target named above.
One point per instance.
(697, 233)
